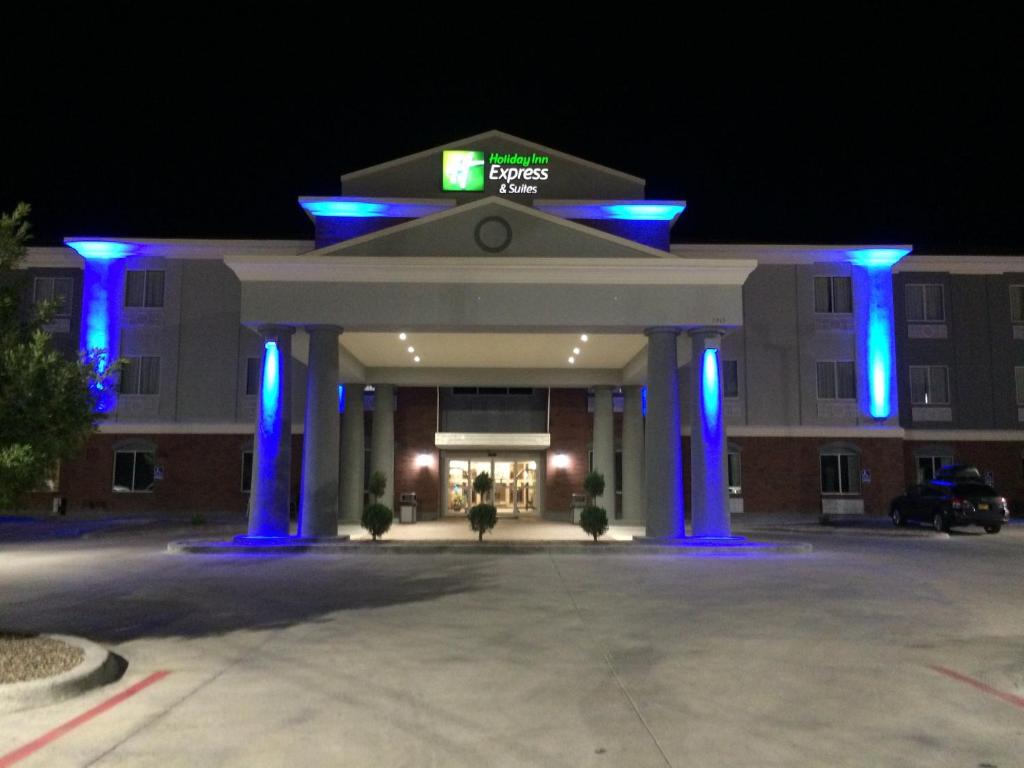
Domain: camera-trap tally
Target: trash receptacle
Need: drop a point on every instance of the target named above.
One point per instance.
(407, 508)
(579, 501)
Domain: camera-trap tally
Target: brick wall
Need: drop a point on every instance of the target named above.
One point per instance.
(415, 424)
(202, 473)
(571, 433)
(782, 474)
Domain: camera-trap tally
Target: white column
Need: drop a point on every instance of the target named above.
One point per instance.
(272, 444)
(663, 469)
(318, 513)
(604, 447)
(632, 455)
(382, 439)
(708, 472)
(352, 458)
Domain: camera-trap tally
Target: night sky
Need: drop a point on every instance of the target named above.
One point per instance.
(213, 130)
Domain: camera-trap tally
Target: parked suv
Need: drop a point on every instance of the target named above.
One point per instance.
(956, 497)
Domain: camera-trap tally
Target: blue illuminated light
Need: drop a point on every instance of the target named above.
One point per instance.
(643, 400)
(271, 386)
(644, 212)
(101, 250)
(341, 398)
(876, 257)
(99, 336)
(346, 208)
(710, 389)
(633, 211)
(874, 313)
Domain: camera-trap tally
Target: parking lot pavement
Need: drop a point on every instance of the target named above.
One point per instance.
(839, 657)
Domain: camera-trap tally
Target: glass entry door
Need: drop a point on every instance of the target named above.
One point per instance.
(515, 484)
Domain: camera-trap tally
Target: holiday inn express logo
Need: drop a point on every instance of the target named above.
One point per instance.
(467, 170)
(462, 171)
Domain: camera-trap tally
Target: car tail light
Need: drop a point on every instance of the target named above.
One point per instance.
(958, 503)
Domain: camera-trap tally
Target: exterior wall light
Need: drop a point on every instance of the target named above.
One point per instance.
(560, 461)
(424, 460)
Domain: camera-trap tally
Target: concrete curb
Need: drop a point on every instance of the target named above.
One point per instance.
(682, 549)
(99, 667)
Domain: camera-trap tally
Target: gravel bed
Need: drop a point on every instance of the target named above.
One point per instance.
(30, 657)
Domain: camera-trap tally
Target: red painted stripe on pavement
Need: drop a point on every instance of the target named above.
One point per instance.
(34, 746)
(1009, 698)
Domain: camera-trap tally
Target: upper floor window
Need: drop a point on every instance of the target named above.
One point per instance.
(55, 289)
(1017, 303)
(730, 379)
(140, 376)
(833, 294)
(929, 385)
(144, 288)
(836, 380)
(925, 303)
(1018, 375)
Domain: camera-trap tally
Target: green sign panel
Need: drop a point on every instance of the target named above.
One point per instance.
(462, 171)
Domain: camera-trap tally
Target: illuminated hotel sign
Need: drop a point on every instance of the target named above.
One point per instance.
(509, 173)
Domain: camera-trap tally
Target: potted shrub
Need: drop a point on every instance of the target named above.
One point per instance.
(377, 517)
(594, 519)
(483, 517)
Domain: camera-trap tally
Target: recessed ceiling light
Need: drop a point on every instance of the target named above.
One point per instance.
(584, 337)
(575, 350)
(402, 335)
(411, 350)
(572, 361)
(416, 359)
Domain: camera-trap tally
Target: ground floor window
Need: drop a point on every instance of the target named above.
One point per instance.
(928, 466)
(735, 479)
(840, 473)
(133, 471)
(246, 471)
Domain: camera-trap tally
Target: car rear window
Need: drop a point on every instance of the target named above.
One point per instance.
(974, 489)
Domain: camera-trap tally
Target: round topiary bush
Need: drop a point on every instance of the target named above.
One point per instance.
(482, 518)
(594, 520)
(377, 519)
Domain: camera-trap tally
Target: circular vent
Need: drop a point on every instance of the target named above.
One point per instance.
(493, 234)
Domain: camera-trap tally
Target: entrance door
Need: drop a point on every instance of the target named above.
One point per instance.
(515, 484)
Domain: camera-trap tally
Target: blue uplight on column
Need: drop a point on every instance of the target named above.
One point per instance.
(103, 278)
(643, 401)
(341, 398)
(874, 320)
(710, 389)
(270, 390)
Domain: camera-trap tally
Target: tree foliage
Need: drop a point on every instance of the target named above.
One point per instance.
(377, 485)
(47, 402)
(594, 520)
(483, 517)
(377, 519)
(593, 484)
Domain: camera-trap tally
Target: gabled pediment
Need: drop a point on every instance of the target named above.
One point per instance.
(567, 176)
(495, 227)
